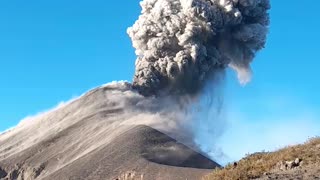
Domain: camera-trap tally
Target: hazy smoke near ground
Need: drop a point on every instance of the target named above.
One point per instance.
(181, 43)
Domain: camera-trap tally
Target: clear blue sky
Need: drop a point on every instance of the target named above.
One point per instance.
(51, 51)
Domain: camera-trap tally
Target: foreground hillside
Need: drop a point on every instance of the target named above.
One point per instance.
(105, 134)
(295, 162)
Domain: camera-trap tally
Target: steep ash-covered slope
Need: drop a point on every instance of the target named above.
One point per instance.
(103, 134)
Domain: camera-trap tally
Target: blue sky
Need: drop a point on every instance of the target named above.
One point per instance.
(51, 51)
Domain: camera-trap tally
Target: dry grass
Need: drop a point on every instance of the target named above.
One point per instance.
(255, 165)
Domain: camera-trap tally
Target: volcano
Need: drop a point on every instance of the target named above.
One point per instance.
(98, 136)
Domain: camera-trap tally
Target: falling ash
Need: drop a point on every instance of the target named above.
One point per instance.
(183, 48)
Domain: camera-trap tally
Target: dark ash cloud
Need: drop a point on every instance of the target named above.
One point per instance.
(180, 43)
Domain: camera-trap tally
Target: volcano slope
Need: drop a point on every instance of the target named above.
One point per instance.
(100, 135)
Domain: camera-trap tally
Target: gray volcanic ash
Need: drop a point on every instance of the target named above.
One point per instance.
(181, 43)
(183, 48)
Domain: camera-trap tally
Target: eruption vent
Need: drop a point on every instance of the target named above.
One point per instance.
(180, 43)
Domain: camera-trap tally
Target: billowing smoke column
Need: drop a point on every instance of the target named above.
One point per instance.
(181, 43)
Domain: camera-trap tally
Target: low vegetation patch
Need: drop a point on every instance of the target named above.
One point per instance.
(255, 165)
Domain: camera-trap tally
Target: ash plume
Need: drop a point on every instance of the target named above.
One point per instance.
(182, 43)
(183, 49)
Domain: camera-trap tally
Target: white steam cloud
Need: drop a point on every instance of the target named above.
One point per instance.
(181, 43)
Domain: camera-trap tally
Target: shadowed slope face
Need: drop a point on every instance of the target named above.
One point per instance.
(159, 148)
(104, 133)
